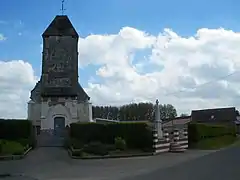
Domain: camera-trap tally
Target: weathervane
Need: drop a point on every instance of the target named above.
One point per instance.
(63, 7)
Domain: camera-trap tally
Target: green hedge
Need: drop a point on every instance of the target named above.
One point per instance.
(17, 130)
(199, 131)
(136, 134)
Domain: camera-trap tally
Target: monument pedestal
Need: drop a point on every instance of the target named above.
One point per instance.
(159, 129)
(160, 141)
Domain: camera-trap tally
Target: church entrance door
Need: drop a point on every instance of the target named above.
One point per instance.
(59, 126)
(53, 137)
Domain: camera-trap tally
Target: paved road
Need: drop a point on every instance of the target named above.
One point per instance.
(54, 163)
(222, 165)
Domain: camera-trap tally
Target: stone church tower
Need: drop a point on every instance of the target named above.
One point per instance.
(58, 99)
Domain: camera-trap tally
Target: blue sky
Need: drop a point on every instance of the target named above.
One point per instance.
(23, 21)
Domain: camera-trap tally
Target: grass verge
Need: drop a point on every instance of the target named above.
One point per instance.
(11, 148)
(215, 142)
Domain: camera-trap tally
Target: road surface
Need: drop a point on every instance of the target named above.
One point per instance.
(54, 163)
(222, 165)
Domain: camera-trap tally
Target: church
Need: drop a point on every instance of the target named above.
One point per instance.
(58, 99)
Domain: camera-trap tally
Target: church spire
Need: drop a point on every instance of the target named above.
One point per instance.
(60, 26)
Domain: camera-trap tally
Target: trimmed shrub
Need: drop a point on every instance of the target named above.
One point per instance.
(76, 144)
(199, 131)
(1, 147)
(96, 148)
(78, 153)
(24, 142)
(110, 147)
(15, 129)
(18, 130)
(11, 148)
(120, 143)
(136, 134)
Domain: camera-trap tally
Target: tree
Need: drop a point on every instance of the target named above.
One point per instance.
(134, 112)
(183, 115)
(167, 111)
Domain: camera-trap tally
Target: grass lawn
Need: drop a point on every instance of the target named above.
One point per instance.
(215, 143)
(11, 148)
(237, 142)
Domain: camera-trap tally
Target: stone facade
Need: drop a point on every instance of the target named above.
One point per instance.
(43, 113)
(58, 93)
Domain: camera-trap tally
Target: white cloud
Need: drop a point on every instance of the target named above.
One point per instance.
(135, 65)
(176, 63)
(2, 37)
(16, 80)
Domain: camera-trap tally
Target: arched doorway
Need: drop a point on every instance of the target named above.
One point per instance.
(59, 126)
(53, 137)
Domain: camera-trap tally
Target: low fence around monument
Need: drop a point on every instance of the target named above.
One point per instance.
(183, 140)
(179, 136)
(160, 145)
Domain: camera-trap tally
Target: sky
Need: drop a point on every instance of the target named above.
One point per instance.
(185, 53)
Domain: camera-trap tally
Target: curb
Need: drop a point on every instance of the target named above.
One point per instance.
(110, 156)
(16, 157)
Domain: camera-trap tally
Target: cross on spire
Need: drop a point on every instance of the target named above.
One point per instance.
(62, 9)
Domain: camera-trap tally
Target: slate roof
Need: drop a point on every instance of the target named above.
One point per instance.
(36, 92)
(176, 121)
(214, 115)
(82, 95)
(60, 26)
